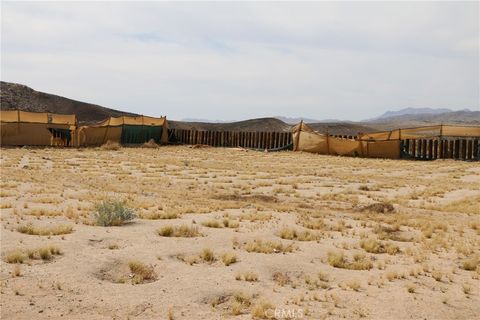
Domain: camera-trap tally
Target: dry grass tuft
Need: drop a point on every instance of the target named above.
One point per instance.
(45, 231)
(292, 234)
(183, 231)
(150, 144)
(261, 246)
(15, 256)
(249, 276)
(411, 288)
(239, 303)
(281, 278)
(141, 272)
(111, 146)
(374, 246)
(338, 260)
(467, 288)
(311, 223)
(212, 224)
(20, 256)
(380, 207)
(437, 275)
(17, 271)
(207, 255)
(160, 215)
(472, 263)
(354, 285)
(47, 253)
(229, 258)
(263, 310)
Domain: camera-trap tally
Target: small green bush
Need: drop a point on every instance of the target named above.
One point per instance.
(112, 213)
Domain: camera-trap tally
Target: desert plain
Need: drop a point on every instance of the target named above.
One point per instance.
(237, 234)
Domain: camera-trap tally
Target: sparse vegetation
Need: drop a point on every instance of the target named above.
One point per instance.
(141, 272)
(15, 256)
(112, 213)
(338, 260)
(292, 234)
(111, 146)
(160, 215)
(150, 144)
(281, 278)
(212, 224)
(229, 258)
(472, 263)
(207, 255)
(45, 231)
(17, 271)
(263, 310)
(333, 259)
(261, 246)
(354, 285)
(411, 288)
(374, 246)
(21, 256)
(184, 231)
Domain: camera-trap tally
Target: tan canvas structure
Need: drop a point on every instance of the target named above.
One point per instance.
(423, 132)
(20, 128)
(124, 130)
(385, 144)
(306, 139)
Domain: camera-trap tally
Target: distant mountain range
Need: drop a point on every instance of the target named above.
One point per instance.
(412, 111)
(297, 120)
(16, 96)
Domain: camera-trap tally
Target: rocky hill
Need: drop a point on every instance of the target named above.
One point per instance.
(17, 96)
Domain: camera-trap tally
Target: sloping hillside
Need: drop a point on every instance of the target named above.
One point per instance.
(16, 96)
(260, 124)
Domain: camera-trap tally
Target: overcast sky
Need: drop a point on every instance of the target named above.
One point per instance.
(324, 60)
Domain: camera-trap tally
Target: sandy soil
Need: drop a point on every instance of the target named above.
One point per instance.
(419, 261)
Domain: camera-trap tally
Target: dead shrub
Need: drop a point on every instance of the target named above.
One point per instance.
(141, 272)
(111, 146)
(281, 278)
(379, 207)
(150, 144)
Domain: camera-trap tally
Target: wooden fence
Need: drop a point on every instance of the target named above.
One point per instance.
(253, 140)
(423, 149)
(445, 148)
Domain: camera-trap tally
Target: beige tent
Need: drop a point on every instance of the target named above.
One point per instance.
(125, 130)
(20, 128)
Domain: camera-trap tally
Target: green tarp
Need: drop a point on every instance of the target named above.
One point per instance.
(135, 134)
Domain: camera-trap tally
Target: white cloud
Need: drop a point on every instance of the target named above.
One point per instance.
(241, 60)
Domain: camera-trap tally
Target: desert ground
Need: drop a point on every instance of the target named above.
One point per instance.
(237, 234)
